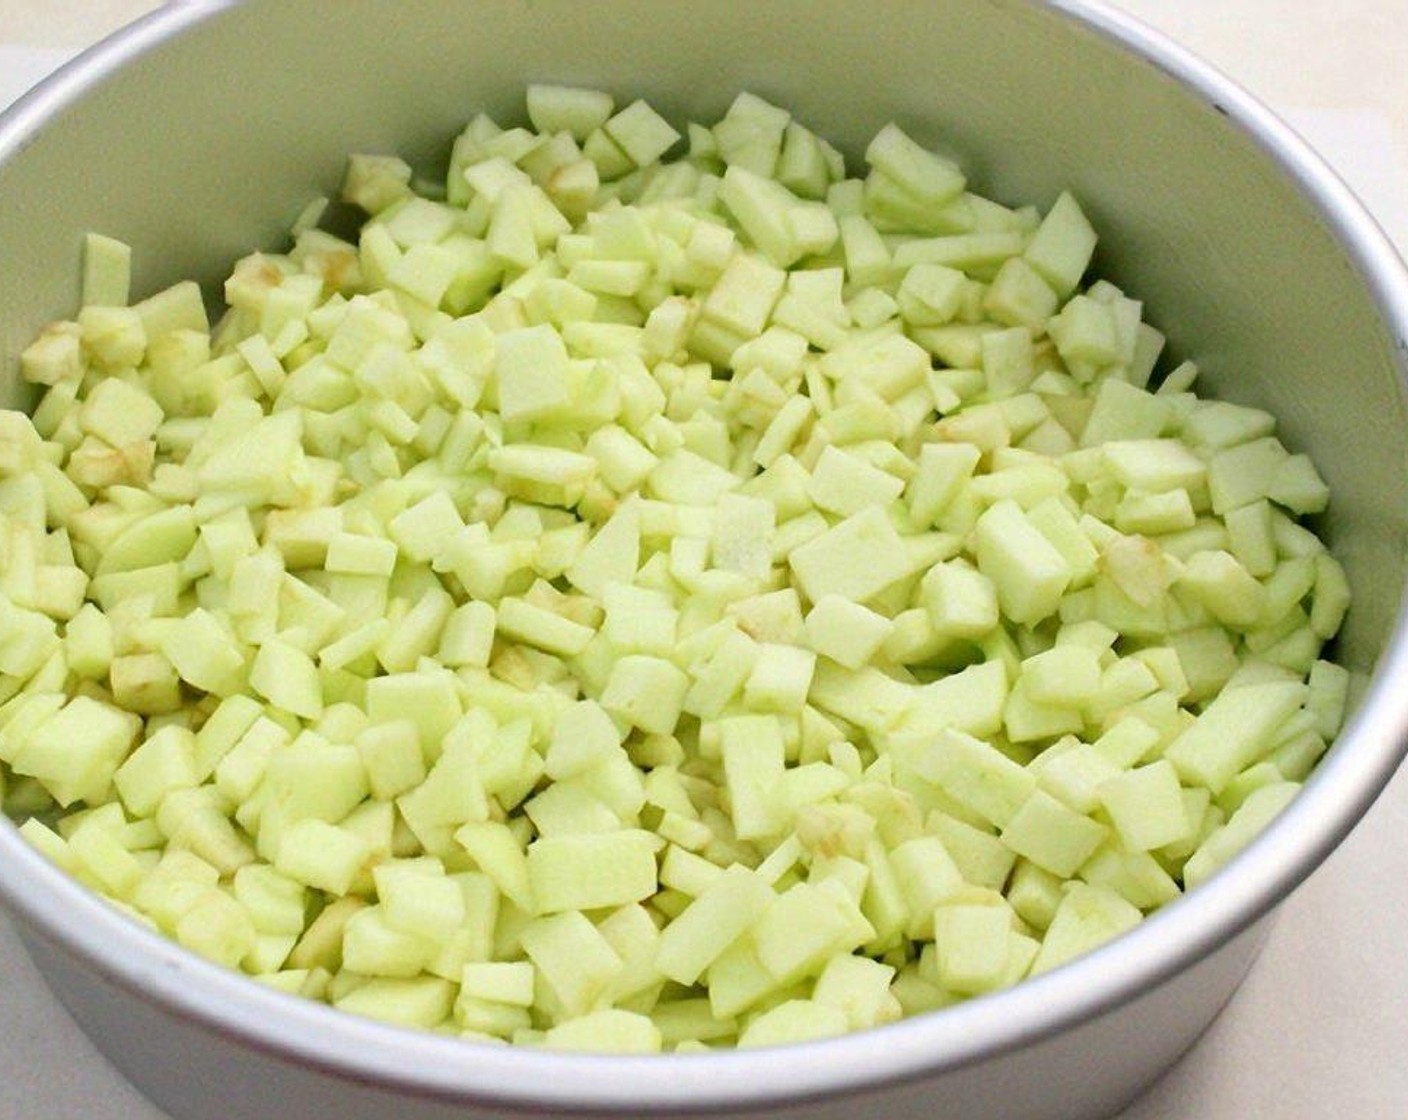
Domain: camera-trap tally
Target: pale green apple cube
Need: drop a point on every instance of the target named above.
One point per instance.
(1250, 819)
(417, 632)
(321, 855)
(845, 631)
(855, 559)
(498, 853)
(687, 873)
(423, 1001)
(805, 927)
(416, 897)
(866, 255)
(796, 1020)
(1297, 485)
(1218, 581)
(531, 373)
(641, 133)
(781, 678)
(217, 928)
(1233, 731)
(574, 961)
(859, 988)
(508, 982)
(1085, 919)
(571, 109)
(1328, 692)
(1250, 537)
(101, 854)
(754, 754)
(981, 858)
(890, 364)
(1087, 335)
(930, 178)
(583, 737)
(742, 537)
(751, 134)
(453, 791)
(1052, 835)
(114, 337)
(960, 600)
(1154, 465)
(1061, 248)
(107, 271)
(360, 555)
(119, 413)
(276, 904)
(1137, 877)
(1028, 571)
(287, 677)
(971, 943)
(611, 555)
(205, 654)
(1146, 806)
(1244, 473)
(690, 1023)
(423, 530)
(427, 698)
(77, 750)
(844, 484)
(590, 871)
(1020, 295)
(468, 636)
(1067, 676)
(711, 923)
(607, 1031)
(926, 876)
(639, 620)
(313, 777)
(646, 692)
(766, 212)
(743, 297)
(931, 294)
(553, 475)
(623, 461)
(942, 471)
(88, 642)
(235, 719)
(392, 756)
(526, 622)
(1073, 772)
(354, 644)
(159, 538)
(145, 683)
(164, 762)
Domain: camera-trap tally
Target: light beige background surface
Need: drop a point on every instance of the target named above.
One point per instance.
(1319, 1029)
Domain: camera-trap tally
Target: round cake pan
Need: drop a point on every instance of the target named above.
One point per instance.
(201, 132)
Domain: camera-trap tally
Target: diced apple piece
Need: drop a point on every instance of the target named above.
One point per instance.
(321, 855)
(1232, 731)
(1086, 918)
(855, 559)
(569, 109)
(1029, 573)
(1250, 819)
(1146, 806)
(1061, 248)
(590, 871)
(796, 1020)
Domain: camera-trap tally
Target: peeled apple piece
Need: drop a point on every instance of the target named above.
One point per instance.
(628, 601)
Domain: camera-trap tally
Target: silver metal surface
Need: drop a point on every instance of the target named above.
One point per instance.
(202, 131)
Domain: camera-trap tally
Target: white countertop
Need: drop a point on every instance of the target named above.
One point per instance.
(1318, 1029)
